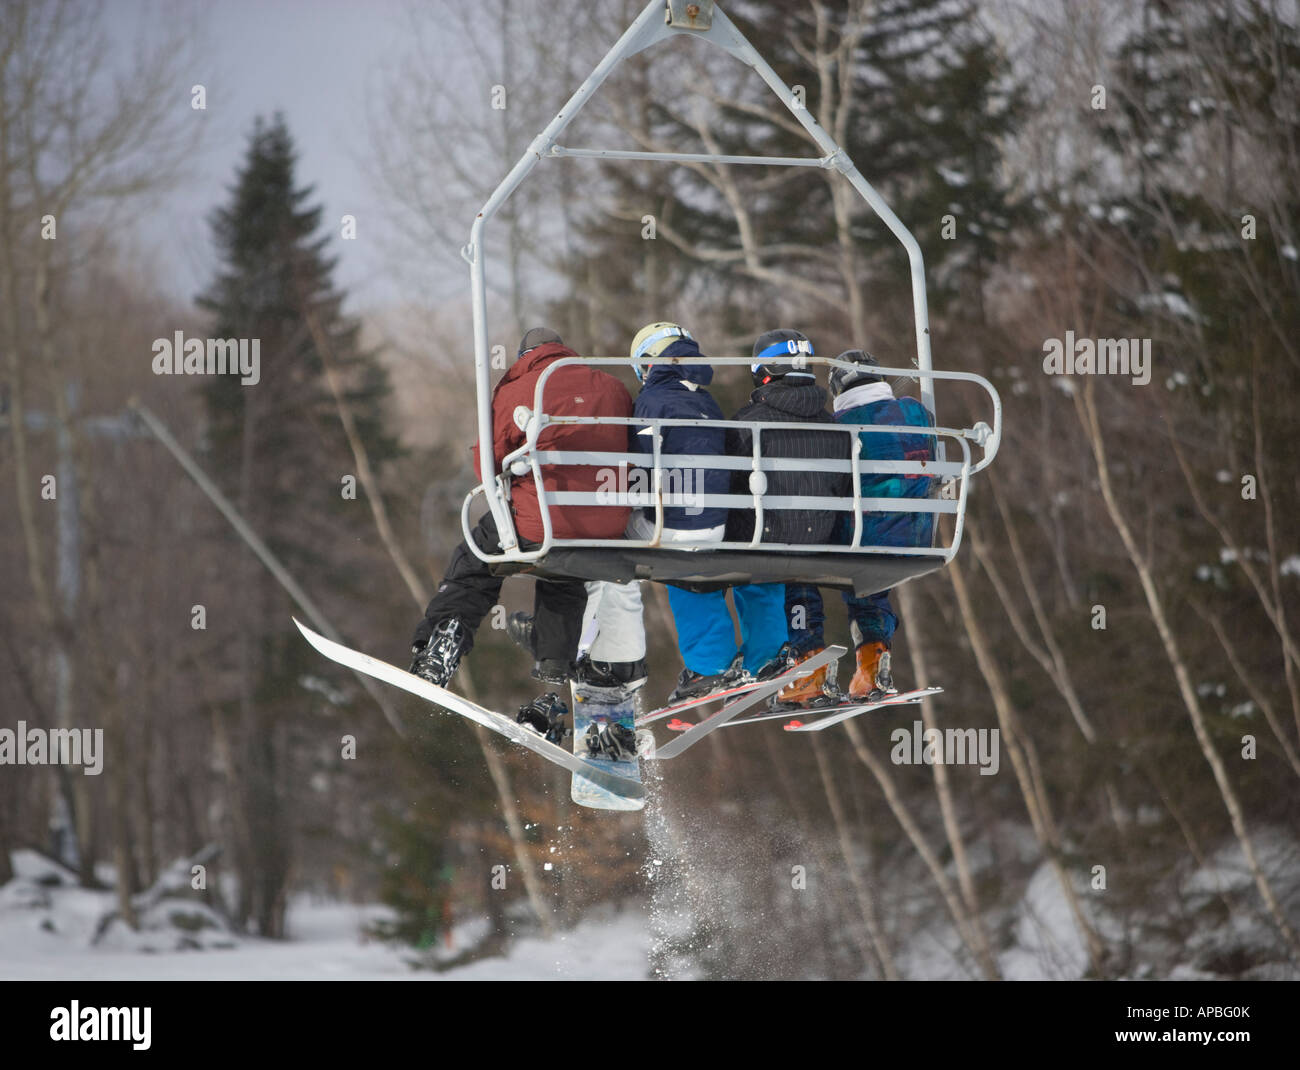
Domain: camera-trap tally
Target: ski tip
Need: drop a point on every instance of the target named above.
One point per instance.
(793, 725)
(312, 637)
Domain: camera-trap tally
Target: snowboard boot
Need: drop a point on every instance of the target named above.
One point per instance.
(553, 671)
(545, 715)
(437, 660)
(808, 691)
(614, 675)
(873, 678)
(609, 739)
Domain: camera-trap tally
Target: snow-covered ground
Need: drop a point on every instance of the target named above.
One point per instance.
(1203, 923)
(47, 925)
(614, 950)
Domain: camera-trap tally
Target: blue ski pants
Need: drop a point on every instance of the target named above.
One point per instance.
(706, 636)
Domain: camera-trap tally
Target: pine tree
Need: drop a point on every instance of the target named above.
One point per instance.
(279, 448)
(274, 275)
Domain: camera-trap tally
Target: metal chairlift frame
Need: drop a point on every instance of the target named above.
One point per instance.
(717, 563)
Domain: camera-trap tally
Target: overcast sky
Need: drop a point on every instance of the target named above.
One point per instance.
(311, 59)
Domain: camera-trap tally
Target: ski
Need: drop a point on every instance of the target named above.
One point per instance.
(836, 712)
(614, 782)
(699, 700)
(595, 708)
(835, 715)
(743, 702)
(794, 713)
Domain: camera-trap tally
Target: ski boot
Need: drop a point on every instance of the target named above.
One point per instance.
(436, 660)
(784, 661)
(873, 679)
(808, 692)
(545, 715)
(612, 740)
(696, 685)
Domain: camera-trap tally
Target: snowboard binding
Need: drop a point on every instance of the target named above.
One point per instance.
(545, 716)
(438, 657)
(626, 676)
(609, 739)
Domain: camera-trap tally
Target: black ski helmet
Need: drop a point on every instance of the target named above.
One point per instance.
(843, 379)
(780, 353)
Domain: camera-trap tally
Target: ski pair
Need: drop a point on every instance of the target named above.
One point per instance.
(745, 687)
(739, 700)
(838, 712)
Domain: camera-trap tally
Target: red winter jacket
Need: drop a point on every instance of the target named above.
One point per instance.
(574, 390)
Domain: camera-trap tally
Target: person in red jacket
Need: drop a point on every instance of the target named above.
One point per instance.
(574, 390)
(469, 590)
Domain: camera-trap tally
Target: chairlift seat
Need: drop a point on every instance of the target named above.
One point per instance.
(712, 570)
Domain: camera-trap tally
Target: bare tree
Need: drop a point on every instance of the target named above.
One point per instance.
(76, 146)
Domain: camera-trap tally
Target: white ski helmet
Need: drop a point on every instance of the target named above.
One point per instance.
(651, 340)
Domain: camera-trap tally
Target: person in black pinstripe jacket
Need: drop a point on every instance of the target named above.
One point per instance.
(787, 392)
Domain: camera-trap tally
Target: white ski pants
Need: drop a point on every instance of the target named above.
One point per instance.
(612, 627)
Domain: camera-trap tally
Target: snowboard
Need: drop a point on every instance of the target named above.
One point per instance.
(591, 707)
(603, 777)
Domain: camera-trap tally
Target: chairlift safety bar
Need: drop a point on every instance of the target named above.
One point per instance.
(656, 498)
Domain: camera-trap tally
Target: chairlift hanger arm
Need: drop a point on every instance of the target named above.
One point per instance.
(823, 162)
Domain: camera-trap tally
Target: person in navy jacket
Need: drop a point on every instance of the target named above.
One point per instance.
(705, 633)
(677, 391)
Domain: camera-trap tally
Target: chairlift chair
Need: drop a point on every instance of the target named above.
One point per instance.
(860, 569)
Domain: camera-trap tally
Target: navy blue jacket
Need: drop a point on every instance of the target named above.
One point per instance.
(677, 392)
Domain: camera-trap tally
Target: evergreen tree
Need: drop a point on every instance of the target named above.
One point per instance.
(274, 274)
(279, 448)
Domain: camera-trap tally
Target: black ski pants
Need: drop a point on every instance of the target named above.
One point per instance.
(469, 591)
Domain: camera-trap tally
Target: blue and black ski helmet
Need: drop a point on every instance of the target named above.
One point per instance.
(781, 353)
